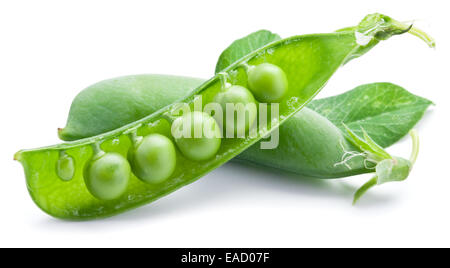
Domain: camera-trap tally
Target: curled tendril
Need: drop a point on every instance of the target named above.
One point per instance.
(348, 155)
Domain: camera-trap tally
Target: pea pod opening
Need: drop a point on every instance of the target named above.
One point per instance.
(308, 62)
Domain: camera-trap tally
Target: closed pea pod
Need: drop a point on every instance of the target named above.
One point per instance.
(309, 145)
(306, 76)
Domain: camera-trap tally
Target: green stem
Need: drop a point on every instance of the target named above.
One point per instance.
(223, 76)
(245, 66)
(98, 152)
(422, 35)
(361, 191)
(409, 27)
(135, 139)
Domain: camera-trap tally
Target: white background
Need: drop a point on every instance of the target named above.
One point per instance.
(50, 50)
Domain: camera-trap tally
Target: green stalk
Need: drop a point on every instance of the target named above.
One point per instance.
(361, 191)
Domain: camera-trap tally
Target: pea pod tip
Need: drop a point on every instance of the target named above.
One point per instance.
(17, 156)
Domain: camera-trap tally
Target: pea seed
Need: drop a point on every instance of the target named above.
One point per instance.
(268, 82)
(201, 140)
(153, 160)
(241, 100)
(107, 176)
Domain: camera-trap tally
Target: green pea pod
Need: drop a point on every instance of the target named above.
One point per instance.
(101, 184)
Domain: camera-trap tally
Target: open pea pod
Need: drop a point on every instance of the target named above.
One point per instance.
(107, 174)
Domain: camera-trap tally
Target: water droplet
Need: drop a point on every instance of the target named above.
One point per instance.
(362, 39)
(270, 51)
(292, 102)
(177, 109)
(65, 167)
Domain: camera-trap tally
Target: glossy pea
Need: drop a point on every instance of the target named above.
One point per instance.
(153, 159)
(268, 82)
(243, 105)
(201, 140)
(107, 176)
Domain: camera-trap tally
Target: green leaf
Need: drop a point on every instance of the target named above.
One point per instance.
(384, 110)
(244, 46)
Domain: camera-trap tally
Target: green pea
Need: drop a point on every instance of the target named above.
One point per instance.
(153, 160)
(268, 82)
(244, 105)
(107, 176)
(201, 140)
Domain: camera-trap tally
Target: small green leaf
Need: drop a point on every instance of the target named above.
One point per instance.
(389, 170)
(374, 151)
(244, 46)
(384, 110)
(374, 146)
